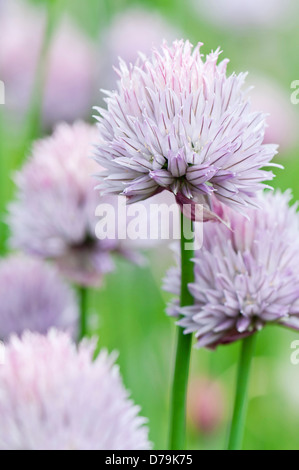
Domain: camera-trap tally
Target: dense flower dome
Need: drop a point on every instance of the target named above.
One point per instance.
(55, 397)
(54, 214)
(178, 122)
(33, 296)
(246, 275)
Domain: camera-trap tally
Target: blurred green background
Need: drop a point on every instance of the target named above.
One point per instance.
(128, 312)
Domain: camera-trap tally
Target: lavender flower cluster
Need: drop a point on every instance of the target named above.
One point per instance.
(179, 123)
(176, 123)
(246, 274)
(41, 381)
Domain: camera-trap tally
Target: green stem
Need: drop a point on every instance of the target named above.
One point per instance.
(177, 438)
(3, 187)
(240, 407)
(83, 294)
(34, 115)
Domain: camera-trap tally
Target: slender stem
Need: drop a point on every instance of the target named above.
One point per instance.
(34, 115)
(177, 438)
(3, 186)
(83, 294)
(241, 400)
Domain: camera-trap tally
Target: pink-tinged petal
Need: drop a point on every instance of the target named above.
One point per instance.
(198, 174)
(243, 323)
(177, 164)
(162, 178)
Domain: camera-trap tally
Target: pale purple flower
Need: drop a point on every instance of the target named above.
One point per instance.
(71, 73)
(34, 297)
(246, 276)
(133, 30)
(70, 82)
(53, 215)
(179, 123)
(55, 397)
(242, 14)
(282, 120)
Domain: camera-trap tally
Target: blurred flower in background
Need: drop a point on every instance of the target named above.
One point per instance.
(286, 379)
(245, 276)
(245, 13)
(70, 79)
(206, 405)
(34, 297)
(21, 28)
(282, 120)
(55, 397)
(54, 212)
(131, 31)
(71, 76)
